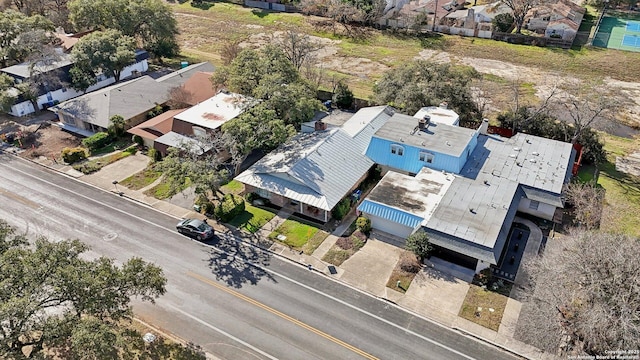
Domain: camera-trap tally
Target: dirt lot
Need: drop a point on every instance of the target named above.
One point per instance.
(49, 143)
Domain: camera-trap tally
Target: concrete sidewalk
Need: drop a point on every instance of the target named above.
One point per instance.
(434, 296)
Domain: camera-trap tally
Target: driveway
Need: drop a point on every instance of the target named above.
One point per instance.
(118, 171)
(370, 267)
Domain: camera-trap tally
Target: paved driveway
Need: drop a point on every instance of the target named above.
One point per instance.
(371, 266)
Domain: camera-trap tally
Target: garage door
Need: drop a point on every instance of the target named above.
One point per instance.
(390, 227)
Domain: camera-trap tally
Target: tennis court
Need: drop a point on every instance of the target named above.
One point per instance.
(618, 33)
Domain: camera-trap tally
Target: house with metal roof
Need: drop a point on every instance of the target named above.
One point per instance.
(133, 99)
(49, 95)
(467, 201)
(311, 173)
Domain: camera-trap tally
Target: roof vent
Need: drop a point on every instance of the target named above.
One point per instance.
(444, 105)
(528, 141)
(423, 124)
(516, 149)
(513, 156)
(532, 161)
(519, 163)
(535, 153)
(486, 182)
(401, 140)
(448, 143)
(472, 210)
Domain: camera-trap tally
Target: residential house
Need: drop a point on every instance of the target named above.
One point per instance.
(473, 21)
(51, 95)
(311, 173)
(561, 19)
(133, 99)
(205, 118)
(463, 186)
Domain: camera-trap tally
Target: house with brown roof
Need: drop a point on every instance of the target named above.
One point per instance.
(559, 20)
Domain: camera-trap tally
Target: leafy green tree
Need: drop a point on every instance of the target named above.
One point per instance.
(197, 164)
(150, 21)
(7, 98)
(20, 35)
(418, 243)
(107, 51)
(270, 76)
(258, 128)
(51, 297)
(420, 83)
(503, 22)
(342, 95)
(117, 125)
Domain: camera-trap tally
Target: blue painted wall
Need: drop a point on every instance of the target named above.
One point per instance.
(379, 151)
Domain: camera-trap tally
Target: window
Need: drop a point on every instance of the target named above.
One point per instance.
(426, 157)
(263, 193)
(533, 205)
(397, 150)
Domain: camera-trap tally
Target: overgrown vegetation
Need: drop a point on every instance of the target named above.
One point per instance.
(91, 166)
(483, 307)
(344, 248)
(406, 268)
(142, 179)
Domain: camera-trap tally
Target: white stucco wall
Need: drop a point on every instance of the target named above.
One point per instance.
(544, 211)
(26, 108)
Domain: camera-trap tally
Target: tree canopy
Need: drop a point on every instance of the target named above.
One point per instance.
(102, 51)
(420, 83)
(52, 298)
(151, 22)
(584, 295)
(268, 75)
(20, 35)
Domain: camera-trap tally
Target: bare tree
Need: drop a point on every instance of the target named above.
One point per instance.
(520, 9)
(584, 295)
(230, 49)
(299, 48)
(586, 106)
(587, 200)
(180, 98)
(534, 110)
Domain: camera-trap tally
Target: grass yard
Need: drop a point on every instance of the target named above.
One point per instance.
(115, 145)
(141, 179)
(233, 187)
(478, 304)
(252, 218)
(91, 166)
(298, 234)
(163, 190)
(622, 197)
(405, 270)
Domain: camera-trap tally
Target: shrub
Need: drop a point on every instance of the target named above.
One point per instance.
(503, 22)
(154, 154)
(342, 96)
(363, 224)
(342, 209)
(251, 196)
(409, 262)
(72, 155)
(138, 140)
(418, 243)
(230, 206)
(96, 141)
(345, 243)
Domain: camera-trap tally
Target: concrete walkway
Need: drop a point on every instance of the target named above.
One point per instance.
(432, 294)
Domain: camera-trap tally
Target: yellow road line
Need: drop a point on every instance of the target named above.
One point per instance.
(19, 198)
(282, 315)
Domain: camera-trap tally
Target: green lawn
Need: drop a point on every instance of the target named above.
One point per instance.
(115, 145)
(141, 179)
(477, 307)
(297, 233)
(233, 187)
(163, 190)
(252, 218)
(91, 166)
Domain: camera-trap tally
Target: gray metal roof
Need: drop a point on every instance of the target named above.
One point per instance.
(318, 168)
(23, 70)
(176, 140)
(443, 138)
(525, 159)
(128, 99)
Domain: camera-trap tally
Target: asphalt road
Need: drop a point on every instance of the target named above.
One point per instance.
(236, 301)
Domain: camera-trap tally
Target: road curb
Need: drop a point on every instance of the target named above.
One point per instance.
(239, 239)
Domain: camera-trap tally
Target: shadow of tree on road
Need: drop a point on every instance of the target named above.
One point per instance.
(237, 263)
